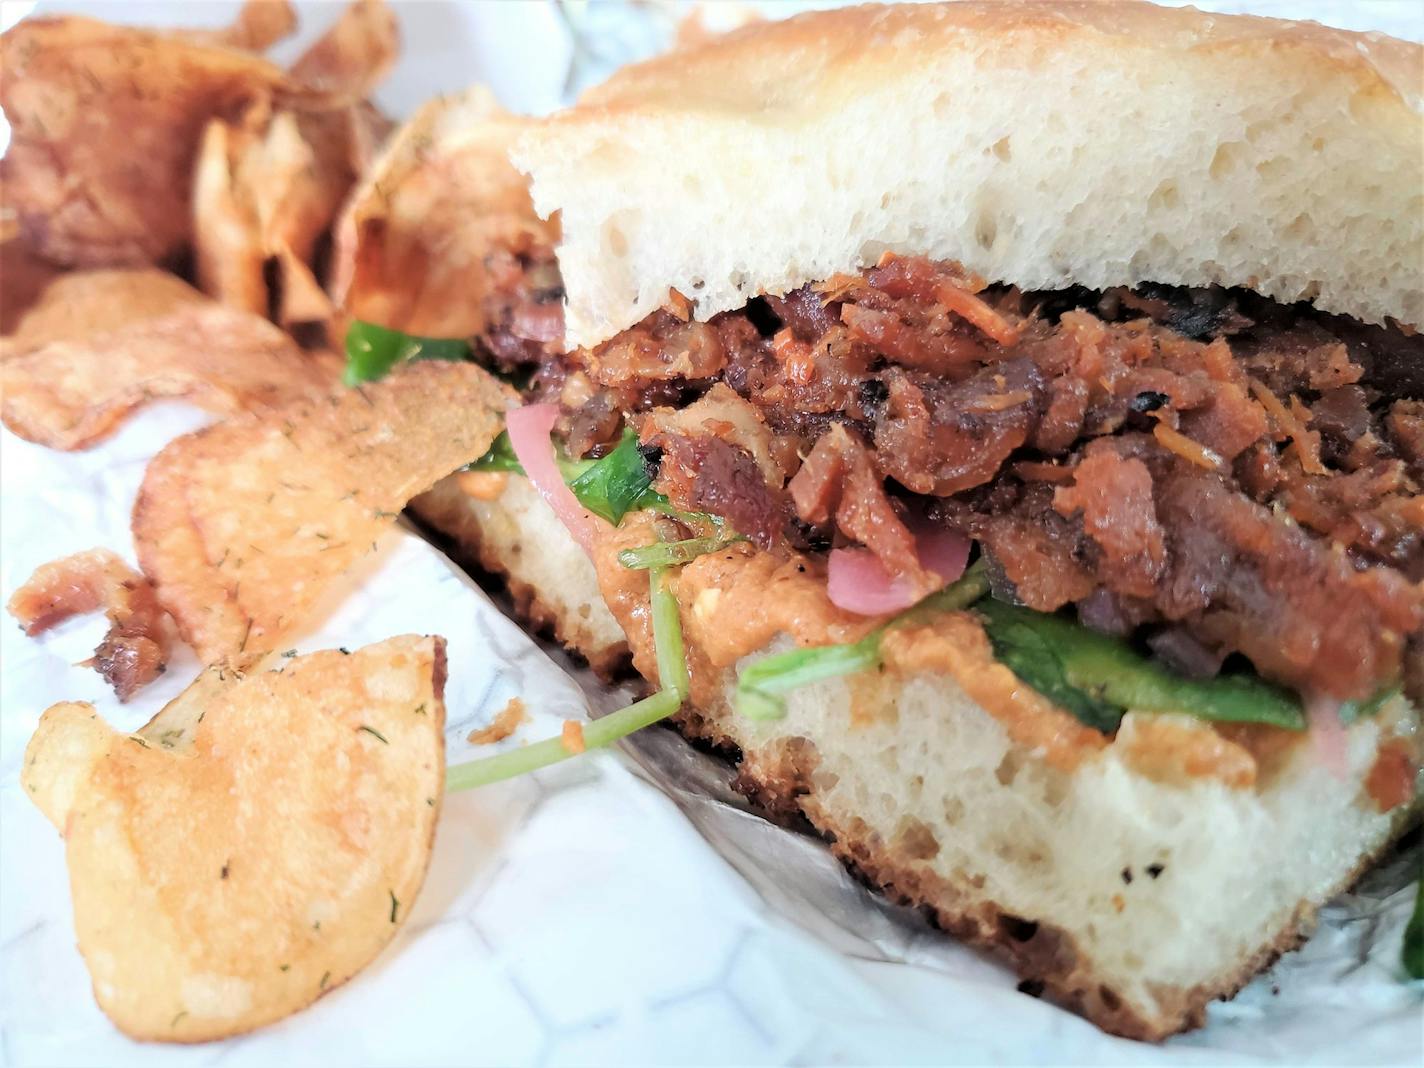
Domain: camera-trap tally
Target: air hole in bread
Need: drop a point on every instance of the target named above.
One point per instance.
(614, 239)
(916, 841)
(1003, 148)
(986, 229)
(1227, 159)
(1165, 196)
(1016, 927)
(1008, 768)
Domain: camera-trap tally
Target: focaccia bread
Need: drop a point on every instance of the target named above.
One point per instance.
(1125, 295)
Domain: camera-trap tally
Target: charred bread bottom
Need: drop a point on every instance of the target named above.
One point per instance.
(1131, 894)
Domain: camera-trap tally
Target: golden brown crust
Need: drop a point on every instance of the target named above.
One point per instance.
(781, 782)
(1273, 155)
(734, 69)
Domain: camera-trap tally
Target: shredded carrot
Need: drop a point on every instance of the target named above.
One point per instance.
(573, 736)
(505, 723)
(1280, 415)
(998, 402)
(1189, 450)
(1291, 424)
(972, 308)
(678, 306)
(1306, 445)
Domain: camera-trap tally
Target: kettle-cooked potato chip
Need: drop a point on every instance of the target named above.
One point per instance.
(78, 305)
(258, 26)
(241, 525)
(69, 391)
(416, 244)
(354, 55)
(256, 844)
(104, 122)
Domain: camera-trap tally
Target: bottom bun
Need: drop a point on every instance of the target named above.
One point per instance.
(1128, 890)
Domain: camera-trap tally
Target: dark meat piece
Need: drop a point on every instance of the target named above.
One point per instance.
(838, 480)
(939, 438)
(594, 425)
(1181, 651)
(1036, 549)
(1285, 523)
(662, 347)
(804, 313)
(1251, 582)
(1113, 495)
(721, 479)
(1200, 314)
(524, 309)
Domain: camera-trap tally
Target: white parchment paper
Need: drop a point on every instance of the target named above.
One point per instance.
(607, 911)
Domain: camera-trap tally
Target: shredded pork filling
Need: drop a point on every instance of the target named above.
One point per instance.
(1212, 473)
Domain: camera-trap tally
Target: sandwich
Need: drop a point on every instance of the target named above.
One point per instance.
(1024, 406)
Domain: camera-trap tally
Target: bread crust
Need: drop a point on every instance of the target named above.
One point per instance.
(1241, 151)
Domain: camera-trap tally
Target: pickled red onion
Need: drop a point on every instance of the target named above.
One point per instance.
(529, 428)
(1327, 733)
(858, 582)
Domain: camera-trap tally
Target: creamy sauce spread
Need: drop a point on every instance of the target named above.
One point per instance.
(955, 644)
(739, 600)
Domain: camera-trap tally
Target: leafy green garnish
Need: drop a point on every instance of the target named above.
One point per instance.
(610, 487)
(675, 553)
(618, 483)
(1098, 678)
(761, 685)
(672, 675)
(372, 351)
(500, 457)
(1413, 952)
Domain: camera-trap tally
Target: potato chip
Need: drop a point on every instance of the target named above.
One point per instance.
(257, 844)
(265, 191)
(74, 307)
(241, 525)
(352, 57)
(23, 278)
(227, 249)
(259, 25)
(104, 121)
(70, 393)
(413, 248)
(135, 650)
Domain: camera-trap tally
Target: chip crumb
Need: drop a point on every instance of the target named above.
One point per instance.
(505, 723)
(1119, 903)
(573, 736)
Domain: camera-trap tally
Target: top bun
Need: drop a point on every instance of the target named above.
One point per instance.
(1040, 144)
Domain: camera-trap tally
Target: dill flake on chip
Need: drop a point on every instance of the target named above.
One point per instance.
(257, 843)
(242, 525)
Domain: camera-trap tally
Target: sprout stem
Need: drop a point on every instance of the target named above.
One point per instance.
(672, 674)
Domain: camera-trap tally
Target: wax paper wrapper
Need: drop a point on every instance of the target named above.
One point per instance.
(624, 908)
